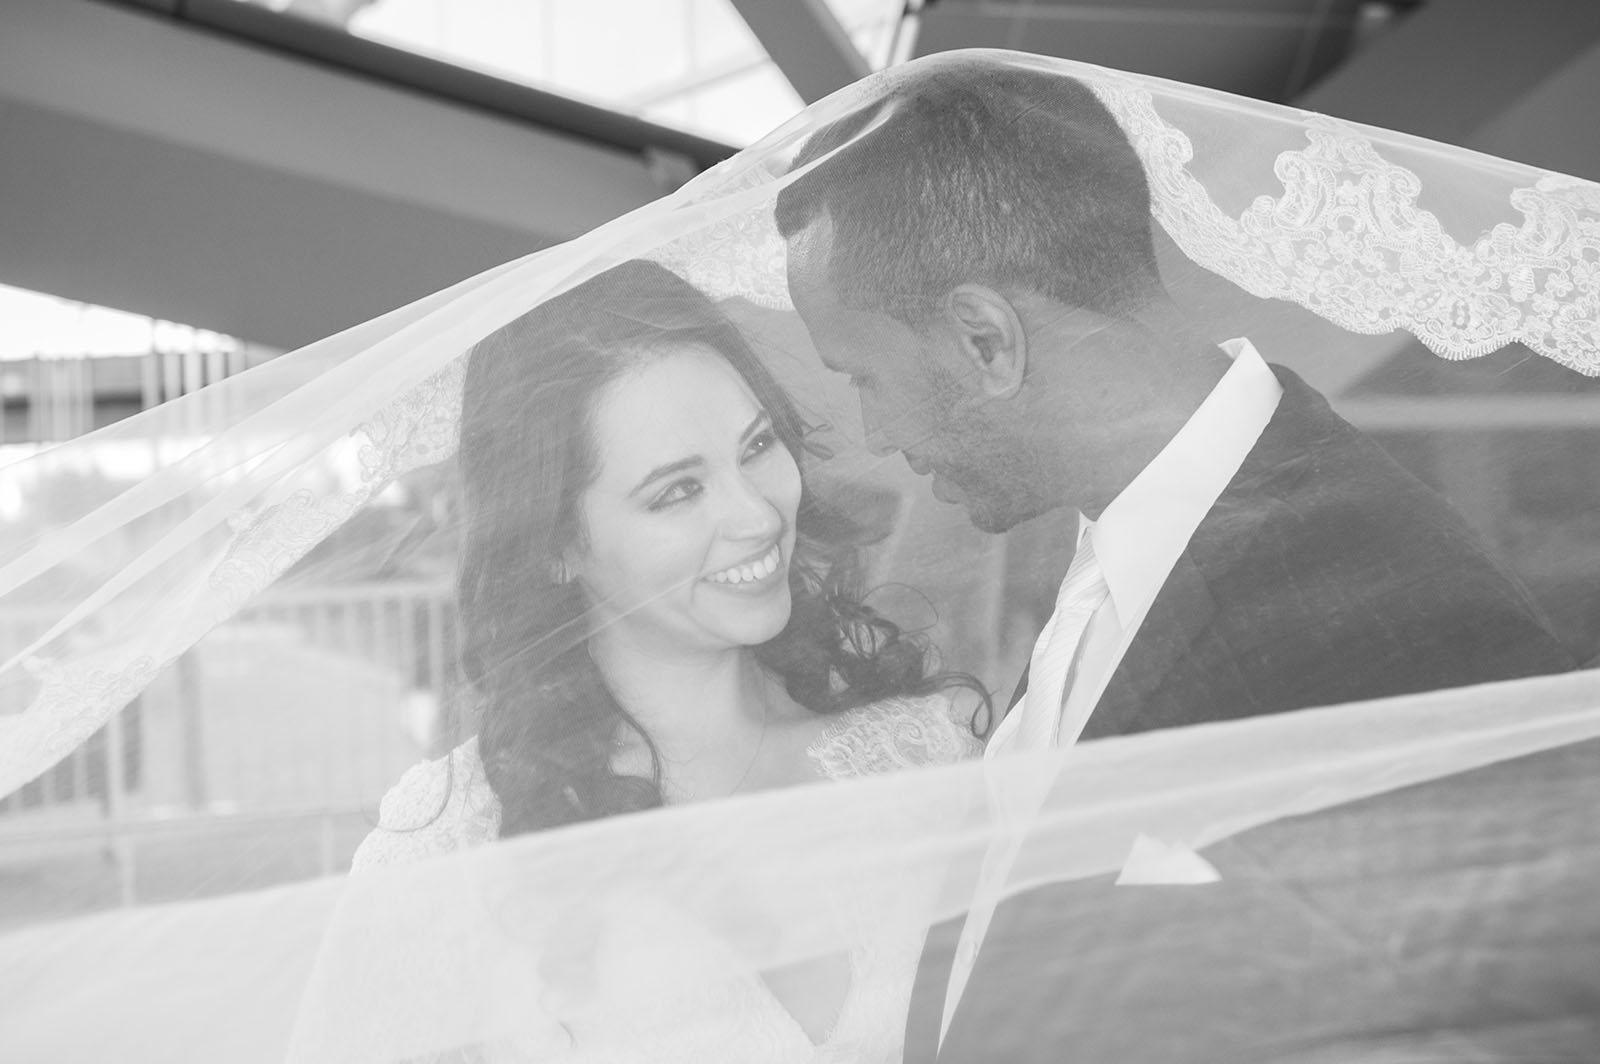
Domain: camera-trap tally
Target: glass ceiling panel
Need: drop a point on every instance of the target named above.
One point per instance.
(690, 64)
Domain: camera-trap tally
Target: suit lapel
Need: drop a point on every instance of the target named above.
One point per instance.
(926, 1013)
(1228, 537)
(1020, 690)
(1183, 609)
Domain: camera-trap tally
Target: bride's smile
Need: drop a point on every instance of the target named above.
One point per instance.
(749, 574)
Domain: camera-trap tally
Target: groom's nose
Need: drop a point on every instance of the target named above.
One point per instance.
(872, 432)
(886, 433)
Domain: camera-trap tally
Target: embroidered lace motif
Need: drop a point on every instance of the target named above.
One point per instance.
(738, 255)
(895, 734)
(70, 705)
(419, 428)
(436, 808)
(1348, 241)
(719, 1018)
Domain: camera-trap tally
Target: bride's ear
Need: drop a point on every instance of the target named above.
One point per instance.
(991, 337)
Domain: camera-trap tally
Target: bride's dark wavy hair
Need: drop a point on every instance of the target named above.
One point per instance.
(547, 720)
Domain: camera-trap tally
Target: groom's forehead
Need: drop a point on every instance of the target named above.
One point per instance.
(808, 254)
(847, 339)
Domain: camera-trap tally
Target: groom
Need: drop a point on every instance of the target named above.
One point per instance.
(977, 256)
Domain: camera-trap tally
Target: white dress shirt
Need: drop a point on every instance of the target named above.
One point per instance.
(1137, 540)
(1141, 535)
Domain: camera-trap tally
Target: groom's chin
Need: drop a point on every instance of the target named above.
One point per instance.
(991, 519)
(996, 516)
(988, 511)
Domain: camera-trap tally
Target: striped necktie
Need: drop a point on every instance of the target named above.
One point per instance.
(1083, 591)
(1055, 655)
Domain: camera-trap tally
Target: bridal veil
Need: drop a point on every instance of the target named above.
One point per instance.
(231, 622)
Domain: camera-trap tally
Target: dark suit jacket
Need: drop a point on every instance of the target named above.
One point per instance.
(1449, 922)
(1324, 574)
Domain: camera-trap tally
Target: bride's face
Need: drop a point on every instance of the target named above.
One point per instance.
(690, 519)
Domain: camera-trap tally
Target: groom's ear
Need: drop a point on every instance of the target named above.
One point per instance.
(990, 335)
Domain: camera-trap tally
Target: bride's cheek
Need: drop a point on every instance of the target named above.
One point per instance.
(788, 489)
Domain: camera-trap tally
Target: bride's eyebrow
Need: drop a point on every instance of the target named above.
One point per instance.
(761, 419)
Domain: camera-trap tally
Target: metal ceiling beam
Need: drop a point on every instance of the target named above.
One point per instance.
(1454, 70)
(1266, 49)
(182, 174)
(806, 42)
(330, 45)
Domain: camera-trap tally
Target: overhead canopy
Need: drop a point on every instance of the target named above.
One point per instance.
(278, 178)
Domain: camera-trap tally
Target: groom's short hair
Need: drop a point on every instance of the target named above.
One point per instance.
(969, 168)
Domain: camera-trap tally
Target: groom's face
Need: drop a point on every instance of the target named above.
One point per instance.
(917, 396)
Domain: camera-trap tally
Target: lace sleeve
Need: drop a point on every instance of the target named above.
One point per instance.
(436, 807)
(895, 734)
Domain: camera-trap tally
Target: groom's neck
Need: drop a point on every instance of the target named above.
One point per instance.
(1107, 405)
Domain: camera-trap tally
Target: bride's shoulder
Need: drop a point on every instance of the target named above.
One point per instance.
(436, 807)
(898, 733)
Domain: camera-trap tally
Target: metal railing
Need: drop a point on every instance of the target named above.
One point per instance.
(99, 801)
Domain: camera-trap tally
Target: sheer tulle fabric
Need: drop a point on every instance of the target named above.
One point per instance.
(1445, 303)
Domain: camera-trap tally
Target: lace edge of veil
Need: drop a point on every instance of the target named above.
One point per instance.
(1346, 240)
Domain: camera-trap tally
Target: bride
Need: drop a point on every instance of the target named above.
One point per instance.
(656, 608)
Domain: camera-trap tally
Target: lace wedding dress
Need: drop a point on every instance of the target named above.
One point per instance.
(705, 1005)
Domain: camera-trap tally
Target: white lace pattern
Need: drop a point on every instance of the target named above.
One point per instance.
(1348, 241)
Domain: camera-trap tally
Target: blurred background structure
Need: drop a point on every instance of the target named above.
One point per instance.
(268, 172)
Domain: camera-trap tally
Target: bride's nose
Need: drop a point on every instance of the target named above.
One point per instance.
(748, 513)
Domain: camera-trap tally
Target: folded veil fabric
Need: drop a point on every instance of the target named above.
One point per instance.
(248, 597)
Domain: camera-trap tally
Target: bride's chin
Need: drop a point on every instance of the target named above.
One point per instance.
(762, 624)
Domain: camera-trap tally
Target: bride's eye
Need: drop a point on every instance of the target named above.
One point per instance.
(679, 491)
(763, 442)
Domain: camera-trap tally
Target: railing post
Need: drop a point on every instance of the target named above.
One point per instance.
(121, 850)
(325, 843)
(192, 729)
(436, 667)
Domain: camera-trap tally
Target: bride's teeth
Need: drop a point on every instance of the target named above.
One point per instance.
(760, 569)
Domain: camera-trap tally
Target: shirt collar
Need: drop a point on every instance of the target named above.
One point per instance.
(1141, 535)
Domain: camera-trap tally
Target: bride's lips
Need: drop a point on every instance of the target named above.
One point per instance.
(757, 571)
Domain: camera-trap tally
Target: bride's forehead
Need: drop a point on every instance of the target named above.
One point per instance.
(688, 390)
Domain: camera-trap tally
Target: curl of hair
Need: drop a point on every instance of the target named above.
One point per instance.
(546, 719)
